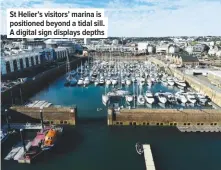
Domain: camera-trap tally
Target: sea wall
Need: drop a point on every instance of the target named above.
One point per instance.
(194, 82)
(21, 92)
(51, 115)
(164, 117)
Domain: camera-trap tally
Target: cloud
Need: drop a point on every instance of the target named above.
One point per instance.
(143, 17)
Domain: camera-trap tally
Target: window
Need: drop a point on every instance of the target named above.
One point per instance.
(171, 124)
(144, 123)
(61, 122)
(158, 124)
(65, 122)
(21, 64)
(184, 124)
(121, 123)
(36, 58)
(32, 61)
(15, 65)
(201, 123)
(27, 62)
(198, 123)
(188, 123)
(8, 68)
(175, 124)
(211, 124)
(215, 123)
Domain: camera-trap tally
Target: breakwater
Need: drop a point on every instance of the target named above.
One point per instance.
(21, 92)
(167, 117)
(194, 82)
(51, 115)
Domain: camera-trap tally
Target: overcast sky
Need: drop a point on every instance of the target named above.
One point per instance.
(141, 18)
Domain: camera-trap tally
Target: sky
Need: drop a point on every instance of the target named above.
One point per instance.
(140, 18)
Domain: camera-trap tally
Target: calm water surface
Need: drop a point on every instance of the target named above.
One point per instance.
(92, 145)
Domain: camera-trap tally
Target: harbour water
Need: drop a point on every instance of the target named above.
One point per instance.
(92, 145)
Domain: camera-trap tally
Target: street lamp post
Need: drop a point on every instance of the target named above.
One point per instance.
(41, 115)
(22, 140)
(6, 114)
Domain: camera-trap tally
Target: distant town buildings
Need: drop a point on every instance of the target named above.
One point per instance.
(87, 41)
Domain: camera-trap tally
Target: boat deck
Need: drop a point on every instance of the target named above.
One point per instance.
(37, 139)
(148, 157)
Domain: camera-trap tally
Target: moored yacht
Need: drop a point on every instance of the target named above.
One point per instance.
(129, 98)
(181, 97)
(105, 99)
(161, 97)
(80, 81)
(191, 97)
(140, 100)
(149, 97)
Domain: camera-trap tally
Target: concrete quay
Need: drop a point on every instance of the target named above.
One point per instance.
(51, 115)
(197, 84)
(164, 117)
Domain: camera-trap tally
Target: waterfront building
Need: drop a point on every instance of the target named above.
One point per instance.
(115, 42)
(182, 59)
(197, 49)
(28, 59)
(142, 47)
(17, 62)
(151, 49)
(162, 49)
(172, 49)
(214, 50)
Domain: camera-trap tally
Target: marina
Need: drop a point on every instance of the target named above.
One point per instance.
(135, 84)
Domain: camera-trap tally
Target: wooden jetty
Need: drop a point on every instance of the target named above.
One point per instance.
(148, 157)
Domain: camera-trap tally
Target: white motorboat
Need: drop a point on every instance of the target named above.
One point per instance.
(128, 82)
(86, 81)
(149, 83)
(141, 81)
(96, 82)
(202, 99)
(161, 97)
(140, 100)
(164, 82)
(170, 82)
(129, 98)
(191, 97)
(181, 83)
(181, 97)
(123, 82)
(108, 82)
(105, 99)
(149, 97)
(80, 81)
(114, 81)
(101, 82)
(170, 97)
